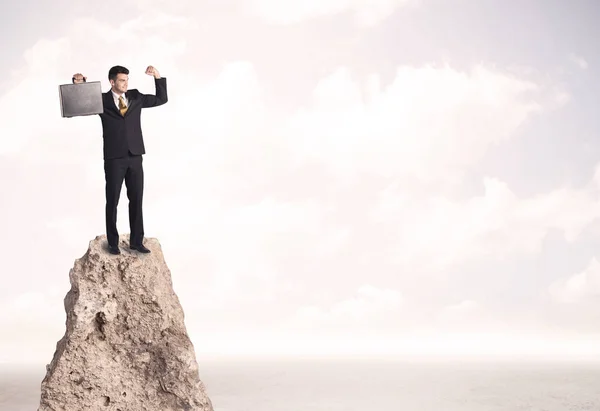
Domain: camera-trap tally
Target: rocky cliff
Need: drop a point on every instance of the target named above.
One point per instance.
(126, 347)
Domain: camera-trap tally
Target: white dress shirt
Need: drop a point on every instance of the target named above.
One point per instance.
(116, 99)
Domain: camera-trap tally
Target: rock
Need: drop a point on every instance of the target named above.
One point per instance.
(126, 347)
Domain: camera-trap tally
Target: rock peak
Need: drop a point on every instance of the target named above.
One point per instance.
(125, 347)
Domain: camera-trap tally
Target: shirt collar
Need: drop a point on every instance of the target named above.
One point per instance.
(116, 96)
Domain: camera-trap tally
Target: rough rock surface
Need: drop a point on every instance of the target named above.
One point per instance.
(125, 347)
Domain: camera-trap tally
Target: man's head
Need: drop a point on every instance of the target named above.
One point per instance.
(118, 77)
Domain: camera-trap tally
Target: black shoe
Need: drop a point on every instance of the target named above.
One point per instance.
(139, 248)
(114, 249)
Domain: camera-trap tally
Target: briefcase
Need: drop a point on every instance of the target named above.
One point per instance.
(82, 99)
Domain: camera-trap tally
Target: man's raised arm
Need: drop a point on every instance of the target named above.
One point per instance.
(149, 100)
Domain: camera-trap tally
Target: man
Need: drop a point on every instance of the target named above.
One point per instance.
(123, 150)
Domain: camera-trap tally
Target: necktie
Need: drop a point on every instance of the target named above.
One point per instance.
(122, 106)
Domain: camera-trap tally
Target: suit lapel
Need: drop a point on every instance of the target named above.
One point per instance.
(110, 102)
(130, 102)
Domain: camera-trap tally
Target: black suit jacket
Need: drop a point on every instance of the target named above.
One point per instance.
(123, 134)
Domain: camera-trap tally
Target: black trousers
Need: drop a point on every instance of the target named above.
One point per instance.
(115, 171)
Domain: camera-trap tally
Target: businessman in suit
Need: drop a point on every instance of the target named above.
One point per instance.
(123, 150)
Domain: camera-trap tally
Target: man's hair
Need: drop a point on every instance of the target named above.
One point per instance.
(112, 73)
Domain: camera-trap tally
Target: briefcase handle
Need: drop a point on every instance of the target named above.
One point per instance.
(73, 80)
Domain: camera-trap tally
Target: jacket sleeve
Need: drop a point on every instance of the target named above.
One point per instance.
(150, 100)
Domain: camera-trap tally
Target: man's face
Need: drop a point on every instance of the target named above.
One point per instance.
(120, 83)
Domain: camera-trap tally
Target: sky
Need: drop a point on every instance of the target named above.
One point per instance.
(332, 177)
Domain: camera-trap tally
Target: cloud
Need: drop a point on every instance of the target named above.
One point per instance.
(458, 311)
(366, 13)
(31, 93)
(466, 316)
(580, 288)
(439, 232)
(253, 235)
(579, 61)
(32, 312)
(370, 307)
(428, 122)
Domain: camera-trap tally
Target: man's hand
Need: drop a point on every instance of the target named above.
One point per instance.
(151, 71)
(79, 78)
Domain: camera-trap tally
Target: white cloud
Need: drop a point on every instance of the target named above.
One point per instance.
(239, 249)
(579, 61)
(31, 313)
(370, 308)
(429, 122)
(583, 287)
(437, 231)
(366, 13)
(466, 316)
(458, 311)
(32, 93)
